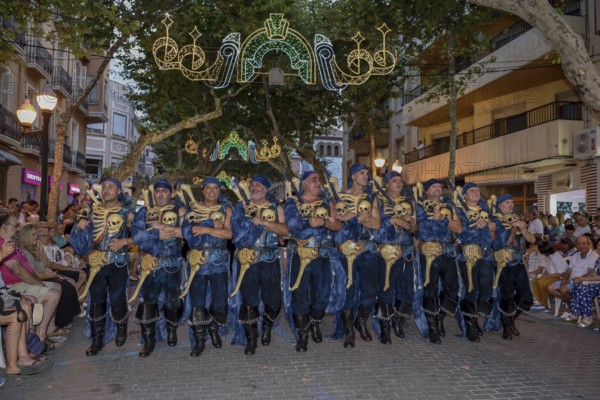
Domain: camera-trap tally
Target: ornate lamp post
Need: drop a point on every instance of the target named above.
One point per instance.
(47, 101)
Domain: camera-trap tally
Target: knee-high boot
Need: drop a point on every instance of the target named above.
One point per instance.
(447, 306)
(268, 320)
(507, 312)
(316, 316)
(469, 312)
(302, 322)
(384, 315)
(147, 315)
(402, 311)
(97, 318)
(431, 311)
(513, 327)
(361, 323)
(249, 319)
(348, 321)
(218, 318)
(119, 315)
(199, 320)
(173, 317)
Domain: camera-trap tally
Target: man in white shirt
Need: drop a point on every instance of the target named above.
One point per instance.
(582, 225)
(581, 264)
(535, 223)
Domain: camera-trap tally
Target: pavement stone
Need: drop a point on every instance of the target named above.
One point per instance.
(551, 359)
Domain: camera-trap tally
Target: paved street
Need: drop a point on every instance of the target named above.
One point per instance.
(550, 360)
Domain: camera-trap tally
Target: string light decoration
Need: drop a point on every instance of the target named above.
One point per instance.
(266, 153)
(233, 141)
(275, 36)
(225, 178)
(191, 146)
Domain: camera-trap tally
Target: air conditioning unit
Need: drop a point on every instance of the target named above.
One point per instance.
(585, 143)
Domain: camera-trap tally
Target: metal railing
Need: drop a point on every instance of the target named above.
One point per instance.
(78, 91)
(11, 24)
(79, 161)
(96, 131)
(9, 124)
(549, 112)
(67, 154)
(36, 54)
(62, 79)
(32, 142)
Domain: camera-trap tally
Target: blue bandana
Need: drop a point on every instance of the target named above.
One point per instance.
(431, 182)
(113, 180)
(354, 169)
(502, 198)
(211, 179)
(263, 180)
(306, 175)
(468, 186)
(162, 183)
(388, 177)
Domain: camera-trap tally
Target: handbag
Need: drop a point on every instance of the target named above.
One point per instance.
(11, 299)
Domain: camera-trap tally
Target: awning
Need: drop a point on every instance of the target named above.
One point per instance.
(9, 159)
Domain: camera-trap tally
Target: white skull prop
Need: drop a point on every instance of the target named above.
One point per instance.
(305, 210)
(321, 212)
(400, 210)
(341, 209)
(114, 223)
(429, 205)
(484, 216)
(472, 215)
(364, 207)
(251, 210)
(193, 218)
(153, 214)
(268, 215)
(446, 212)
(169, 218)
(217, 216)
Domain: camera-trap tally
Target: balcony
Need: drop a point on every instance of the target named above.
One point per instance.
(62, 81)
(10, 24)
(31, 143)
(67, 154)
(10, 127)
(79, 161)
(84, 106)
(39, 58)
(542, 133)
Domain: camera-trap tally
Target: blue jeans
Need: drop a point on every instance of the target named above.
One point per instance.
(315, 285)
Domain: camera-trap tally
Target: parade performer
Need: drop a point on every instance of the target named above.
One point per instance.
(359, 214)
(311, 228)
(395, 241)
(156, 230)
(511, 274)
(103, 236)
(476, 259)
(257, 221)
(206, 227)
(437, 222)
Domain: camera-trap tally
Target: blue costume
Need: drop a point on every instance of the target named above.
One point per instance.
(164, 257)
(511, 275)
(361, 259)
(106, 224)
(262, 280)
(438, 254)
(397, 289)
(210, 255)
(476, 265)
(311, 249)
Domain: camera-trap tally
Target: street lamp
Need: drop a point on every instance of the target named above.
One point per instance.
(26, 113)
(397, 167)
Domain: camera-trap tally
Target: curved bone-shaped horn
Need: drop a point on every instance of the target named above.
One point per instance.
(148, 264)
(244, 186)
(96, 259)
(246, 258)
(196, 258)
(306, 254)
(188, 190)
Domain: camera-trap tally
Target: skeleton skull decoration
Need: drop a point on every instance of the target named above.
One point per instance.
(268, 215)
(114, 223)
(153, 214)
(193, 218)
(251, 210)
(484, 216)
(509, 219)
(364, 207)
(446, 212)
(169, 218)
(305, 210)
(217, 216)
(341, 209)
(84, 213)
(429, 206)
(321, 212)
(400, 210)
(472, 216)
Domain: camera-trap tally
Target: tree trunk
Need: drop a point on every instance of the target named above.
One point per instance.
(452, 110)
(574, 57)
(372, 147)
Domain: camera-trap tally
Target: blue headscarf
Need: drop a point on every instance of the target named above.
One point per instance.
(263, 180)
(211, 179)
(354, 169)
(388, 177)
(113, 180)
(431, 182)
(502, 198)
(306, 175)
(163, 183)
(468, 186)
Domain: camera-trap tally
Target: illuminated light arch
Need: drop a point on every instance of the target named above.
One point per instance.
(277, 36)
(233, 141)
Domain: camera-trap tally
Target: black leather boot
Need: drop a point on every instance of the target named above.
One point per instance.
(199, 320)
(302, 321)
(483, 308)
(402, 311)
(119, 315)
(361, 323)
(469, 313)
(173, 317)
(218, 319)
(97, 318)
(268, 320)
(447, 306)
(431, 310)
(147, 315)
(249, 319)
(384, 315)
(507, 312)
(316, 317)
(513, 327)
(348, 321)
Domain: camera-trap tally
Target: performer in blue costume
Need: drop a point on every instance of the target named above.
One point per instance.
(437, 221)
(312, 247)
(360, 219)
(157, 232)
(206, 227)
(511, 274)
(256, 227)
(104, 238)
(395, 241)
(476, 259)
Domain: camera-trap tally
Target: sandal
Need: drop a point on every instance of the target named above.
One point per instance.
(60, 332)
(585, 322)
(52, 345)
(34, 369)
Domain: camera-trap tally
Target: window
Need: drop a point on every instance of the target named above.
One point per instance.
(321, 150)
(336, 151)
(96, 128)
(7, 88)
(119, 125)
(93, 167)
(115, 162)
(328, 150)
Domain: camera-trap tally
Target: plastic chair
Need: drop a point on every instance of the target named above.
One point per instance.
(557, 303)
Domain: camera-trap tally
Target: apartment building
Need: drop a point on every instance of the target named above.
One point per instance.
(40, 62)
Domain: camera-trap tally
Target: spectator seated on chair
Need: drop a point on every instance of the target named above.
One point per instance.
(555, 267)
(585, 289)
(581, 264)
